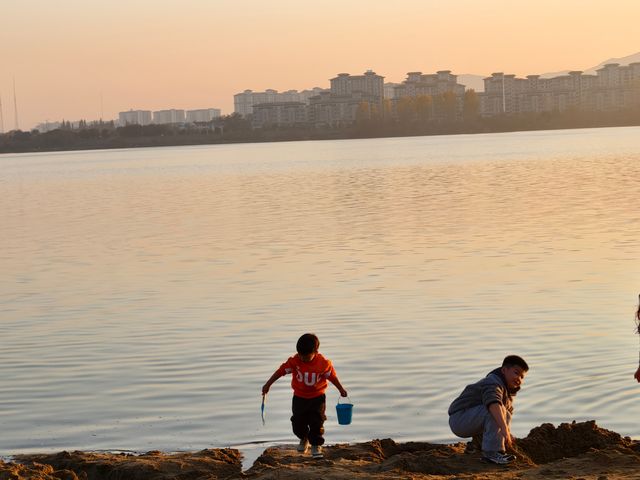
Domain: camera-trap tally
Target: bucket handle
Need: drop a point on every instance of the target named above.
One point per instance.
(349, 402)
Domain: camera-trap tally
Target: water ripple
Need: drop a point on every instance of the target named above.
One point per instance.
(147, 294)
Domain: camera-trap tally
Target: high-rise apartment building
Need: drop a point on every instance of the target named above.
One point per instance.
(202, 115)
(613, 87)
(282, 114)
(134, 117)
(243, 102)
(432, 85)
(332, 110)
(390, 90)
(161, 117)
(418, 84)
(368, 85)
(347, 94)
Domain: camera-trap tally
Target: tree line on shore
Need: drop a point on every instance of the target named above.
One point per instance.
(413, 117)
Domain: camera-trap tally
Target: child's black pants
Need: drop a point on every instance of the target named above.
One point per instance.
(308, 418)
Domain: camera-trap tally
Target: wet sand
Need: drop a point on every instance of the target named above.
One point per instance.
(568, 451)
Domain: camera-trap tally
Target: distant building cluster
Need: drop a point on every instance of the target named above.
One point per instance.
(351, 97)
(436, 96)
(339, 105)
(135, 117)
(614, 87)
(243, 102)
(335, 106)
(165, 117)
(435, 85)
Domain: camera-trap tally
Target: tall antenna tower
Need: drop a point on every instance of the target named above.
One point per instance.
(15, 104)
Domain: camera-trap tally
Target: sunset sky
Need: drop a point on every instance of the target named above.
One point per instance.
(154, 54)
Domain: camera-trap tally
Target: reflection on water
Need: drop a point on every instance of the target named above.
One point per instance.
(147, 294)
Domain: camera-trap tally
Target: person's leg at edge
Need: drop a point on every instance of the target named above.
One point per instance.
(492, 440)
(469, 422)
(299, 421)
(316, 417)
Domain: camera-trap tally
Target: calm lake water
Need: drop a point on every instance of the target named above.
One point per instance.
(147, 294)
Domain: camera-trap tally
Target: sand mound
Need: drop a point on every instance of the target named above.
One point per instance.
(571, 450)
(547, 443)
(14, 471)
(376, 459)
(206, 464)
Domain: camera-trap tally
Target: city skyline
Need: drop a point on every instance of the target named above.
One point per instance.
(155, 55)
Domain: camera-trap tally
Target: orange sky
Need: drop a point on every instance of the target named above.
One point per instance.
(154, 54)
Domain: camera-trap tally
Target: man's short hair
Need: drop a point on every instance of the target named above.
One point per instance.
(515, 361)
(307, 343)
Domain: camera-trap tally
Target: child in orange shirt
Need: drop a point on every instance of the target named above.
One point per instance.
(309, 374)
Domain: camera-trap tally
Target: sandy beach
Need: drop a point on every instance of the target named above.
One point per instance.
(568, 451)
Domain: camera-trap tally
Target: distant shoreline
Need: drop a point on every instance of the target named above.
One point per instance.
(93, 139)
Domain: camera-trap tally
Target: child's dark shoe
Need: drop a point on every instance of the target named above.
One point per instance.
(316, 452)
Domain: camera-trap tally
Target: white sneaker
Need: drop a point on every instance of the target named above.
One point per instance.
(498, 458)
(316, 451)
(303, 445)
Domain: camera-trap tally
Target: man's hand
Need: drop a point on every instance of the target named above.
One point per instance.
(508, 439)
(343, 392)
(265, 388)
(498, 413)
(637, 375)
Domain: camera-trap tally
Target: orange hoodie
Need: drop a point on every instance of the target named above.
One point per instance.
(308, 379)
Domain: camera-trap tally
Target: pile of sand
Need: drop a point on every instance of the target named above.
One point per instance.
(35, 471)
(547, 443)
(576, 450)
(206, 464)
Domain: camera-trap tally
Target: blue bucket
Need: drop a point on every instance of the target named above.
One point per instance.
(344, 411)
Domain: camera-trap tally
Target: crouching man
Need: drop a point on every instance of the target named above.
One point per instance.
(485, 408)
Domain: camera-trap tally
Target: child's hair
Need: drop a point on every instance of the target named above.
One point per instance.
(307, 343)
(515, 361)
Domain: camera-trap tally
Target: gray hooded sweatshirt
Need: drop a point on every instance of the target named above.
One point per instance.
(491, 389)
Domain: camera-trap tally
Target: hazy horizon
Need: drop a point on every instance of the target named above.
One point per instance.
(198, 54)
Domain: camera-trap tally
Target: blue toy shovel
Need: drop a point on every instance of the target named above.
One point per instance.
(264, 397)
